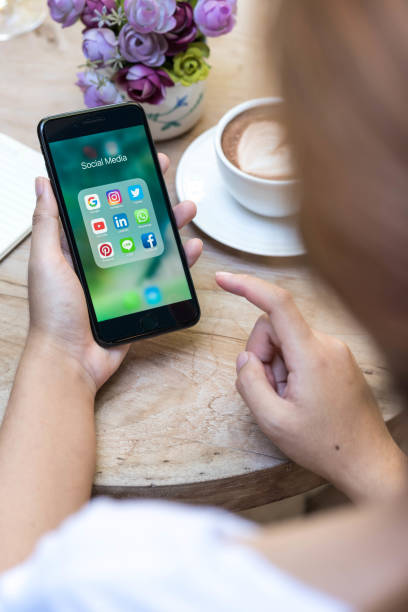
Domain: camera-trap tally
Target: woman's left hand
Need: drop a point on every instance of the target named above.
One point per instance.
(58, 313)
(309, 396)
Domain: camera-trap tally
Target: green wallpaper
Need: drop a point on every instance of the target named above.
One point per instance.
(128, 287)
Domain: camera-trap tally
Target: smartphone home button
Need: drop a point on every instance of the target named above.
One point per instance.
(149, 322)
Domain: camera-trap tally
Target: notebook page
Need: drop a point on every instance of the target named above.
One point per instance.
(19, 165)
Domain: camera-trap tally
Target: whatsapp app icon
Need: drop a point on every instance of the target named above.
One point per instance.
(142, 216)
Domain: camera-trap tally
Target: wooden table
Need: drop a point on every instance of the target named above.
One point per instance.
(170, 423)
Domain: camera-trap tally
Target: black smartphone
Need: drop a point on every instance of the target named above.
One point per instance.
(117, 216)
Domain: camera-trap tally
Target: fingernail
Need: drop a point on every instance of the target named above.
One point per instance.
(39, 186)
(242, 359)
(221, 274)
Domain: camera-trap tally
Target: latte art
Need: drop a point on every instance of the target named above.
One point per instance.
(255, 142)
(263, 152)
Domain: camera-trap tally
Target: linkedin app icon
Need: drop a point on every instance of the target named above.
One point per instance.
(129, 227)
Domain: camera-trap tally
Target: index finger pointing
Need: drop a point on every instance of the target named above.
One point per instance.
(291, 329)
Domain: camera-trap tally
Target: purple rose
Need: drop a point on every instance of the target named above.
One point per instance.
(149, 49)
(66, 11)
(89, 16)
(144, 84)
(99, 44)
(215, 17)
(97, 90)
(151, 15)
(184, 31)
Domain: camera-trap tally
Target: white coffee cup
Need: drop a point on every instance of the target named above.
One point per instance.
(271, 198)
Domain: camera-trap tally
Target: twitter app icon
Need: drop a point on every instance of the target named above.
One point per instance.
(135, 192)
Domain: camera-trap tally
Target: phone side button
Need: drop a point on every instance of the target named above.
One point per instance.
(149, 322)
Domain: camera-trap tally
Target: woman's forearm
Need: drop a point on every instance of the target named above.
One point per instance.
(358, 555)
(373, 473)
(47, 447)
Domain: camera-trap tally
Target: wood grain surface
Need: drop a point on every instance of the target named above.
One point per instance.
(170, 422)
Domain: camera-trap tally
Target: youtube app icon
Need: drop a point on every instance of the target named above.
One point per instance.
(99, 226)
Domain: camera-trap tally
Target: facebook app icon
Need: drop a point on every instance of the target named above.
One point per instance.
(149, 240)
(121, 221)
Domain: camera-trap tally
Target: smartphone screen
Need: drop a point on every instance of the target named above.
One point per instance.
(117, 210)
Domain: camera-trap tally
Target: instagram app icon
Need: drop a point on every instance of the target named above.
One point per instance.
(114, 197)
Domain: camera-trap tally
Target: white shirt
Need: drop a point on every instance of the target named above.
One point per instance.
(148, 556)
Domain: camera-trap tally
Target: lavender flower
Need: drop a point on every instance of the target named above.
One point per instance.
(215, 17)
(66, 11)
(99, 45)
(184, 32)
(144, 84)
(149, 49)
(90, 17)
(151, 15)
(97, 89)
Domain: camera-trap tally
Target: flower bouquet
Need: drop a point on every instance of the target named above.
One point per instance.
(151, 51)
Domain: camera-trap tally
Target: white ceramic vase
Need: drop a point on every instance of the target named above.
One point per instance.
(179, 111)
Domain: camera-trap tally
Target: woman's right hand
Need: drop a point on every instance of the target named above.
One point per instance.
(59, 320)
(311, 399)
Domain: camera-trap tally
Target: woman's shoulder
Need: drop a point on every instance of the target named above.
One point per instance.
(152, 556)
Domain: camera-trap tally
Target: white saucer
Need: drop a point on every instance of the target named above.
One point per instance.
(220, 216)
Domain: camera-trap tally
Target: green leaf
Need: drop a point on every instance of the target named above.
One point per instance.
(205, 49)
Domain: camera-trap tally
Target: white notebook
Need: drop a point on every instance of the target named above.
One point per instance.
(19, 165)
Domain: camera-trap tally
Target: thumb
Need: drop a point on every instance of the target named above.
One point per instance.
(46, 230)
(257, 392)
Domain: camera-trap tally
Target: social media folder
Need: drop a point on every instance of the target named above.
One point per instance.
(122, 214)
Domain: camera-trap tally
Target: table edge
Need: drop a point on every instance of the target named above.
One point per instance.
(243, 491)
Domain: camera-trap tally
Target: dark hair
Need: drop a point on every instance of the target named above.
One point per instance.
(344, 69)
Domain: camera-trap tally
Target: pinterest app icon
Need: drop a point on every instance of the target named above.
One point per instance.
(114, 197)
(105, 250)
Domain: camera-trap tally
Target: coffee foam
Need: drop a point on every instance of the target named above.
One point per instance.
(255, 142)
(262, 150)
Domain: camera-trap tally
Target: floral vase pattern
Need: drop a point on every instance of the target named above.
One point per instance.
(178, 113)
